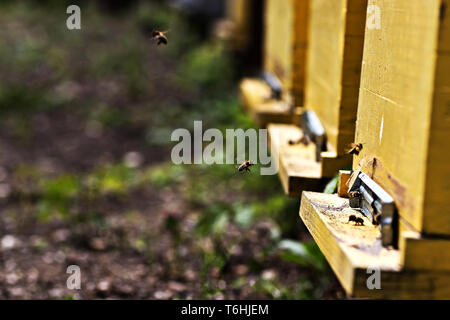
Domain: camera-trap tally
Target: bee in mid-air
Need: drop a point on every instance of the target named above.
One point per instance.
(355, 148)
(305, 140)
(245, 166)
(358, 221)
(160, 37)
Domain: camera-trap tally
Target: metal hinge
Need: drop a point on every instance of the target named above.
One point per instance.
(377, 205)
(274, 83)
(312, 127)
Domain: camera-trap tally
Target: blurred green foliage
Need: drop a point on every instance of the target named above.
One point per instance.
(56, 196)
(208, 69)
(306, 253)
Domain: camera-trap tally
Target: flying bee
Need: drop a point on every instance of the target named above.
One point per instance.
(245, 166)
(358, 221)
(355, 148)
(305, 140)
(160, 37)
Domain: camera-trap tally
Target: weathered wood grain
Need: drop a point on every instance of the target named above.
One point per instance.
(351, 250)
(297, 165)
(286, 44)
(239, 13)
(403, 114)
(420, 252)
(255, 97)
(344, 177)
(298, 168)
(336, 38)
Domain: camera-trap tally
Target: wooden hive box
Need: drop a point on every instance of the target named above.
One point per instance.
(334, 56)
(404, 122)
(285, 44)
(245, 17)
(284, 56)
(239, 13)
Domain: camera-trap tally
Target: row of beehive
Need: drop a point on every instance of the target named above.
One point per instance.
(375, 72)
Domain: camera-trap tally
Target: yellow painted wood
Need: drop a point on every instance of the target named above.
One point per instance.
(301, 10)
(332, 163)
(239, 13)
(278, 39)
(286, 43)
(254, 92)
(297, 166)
(403, 114)
(422, 253)
(351, 250)
(336, 37)
(344, 177)
(407, 284)
(436, 211)
(256, 99)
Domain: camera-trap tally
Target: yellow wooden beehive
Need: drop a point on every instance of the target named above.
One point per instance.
(334, 55)
(404, 113)
(243, 29)
(284, 56)
(403, 122)
(285, 44)
(240, 12)
(334, 67)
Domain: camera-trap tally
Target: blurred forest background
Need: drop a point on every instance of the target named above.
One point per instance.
(85, 170)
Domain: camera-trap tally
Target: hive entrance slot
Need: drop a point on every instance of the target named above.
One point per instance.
(376, 204)
(312, 127)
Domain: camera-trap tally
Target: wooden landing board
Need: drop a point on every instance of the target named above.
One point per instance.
(256, 98)
(297, 166)
(350, 250)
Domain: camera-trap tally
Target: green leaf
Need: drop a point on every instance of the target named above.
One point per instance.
(331, 187)
(305, 254)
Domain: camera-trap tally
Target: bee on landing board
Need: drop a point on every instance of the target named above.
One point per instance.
(245, 166)
(305, 140)
(355, 148)
(160, 37)
(358, 221)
